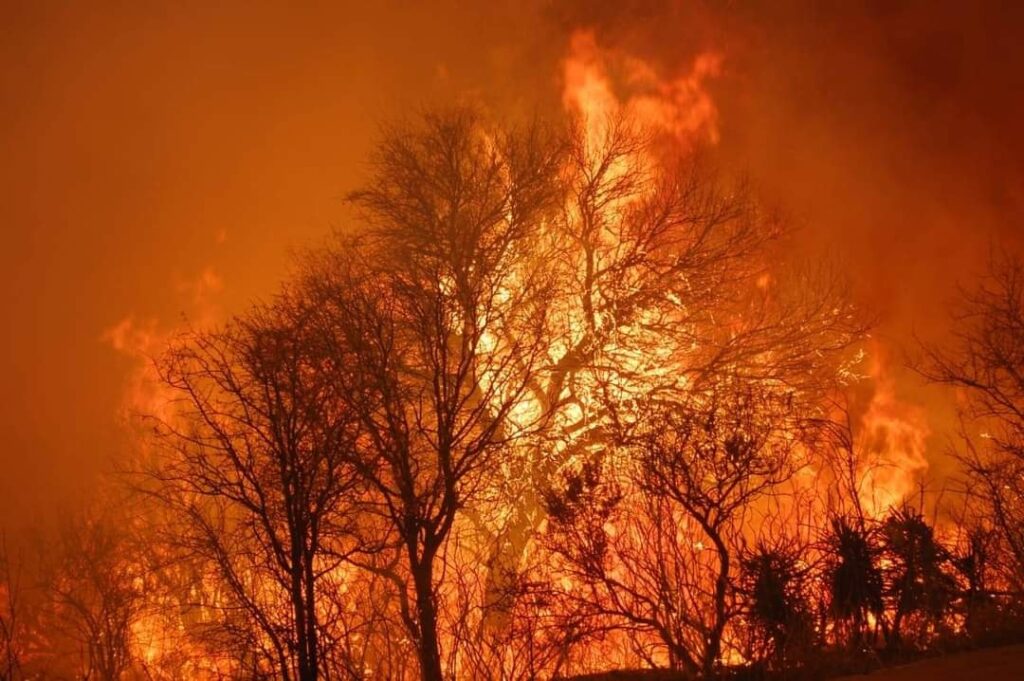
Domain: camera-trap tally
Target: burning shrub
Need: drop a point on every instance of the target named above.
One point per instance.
(776, 605)
(853, 578)
(919, 589)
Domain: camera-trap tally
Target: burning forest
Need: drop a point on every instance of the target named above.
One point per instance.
(573, 386)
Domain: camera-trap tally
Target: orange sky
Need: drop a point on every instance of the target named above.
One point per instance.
(145, 144)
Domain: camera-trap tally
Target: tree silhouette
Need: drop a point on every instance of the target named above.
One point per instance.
(986, 362)
(853, 577)
(11, 611)
(918, 584)
(257, 472)
(776, 604)
(92, 578)
(437, 317)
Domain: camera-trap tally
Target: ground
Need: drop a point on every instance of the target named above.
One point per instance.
(993, 664)
(990, 664)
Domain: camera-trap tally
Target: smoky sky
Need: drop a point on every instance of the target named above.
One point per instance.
(161, 158)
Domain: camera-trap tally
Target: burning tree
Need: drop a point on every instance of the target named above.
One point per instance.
(692, 377)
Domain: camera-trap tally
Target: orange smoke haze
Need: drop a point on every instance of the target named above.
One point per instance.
(161, 162)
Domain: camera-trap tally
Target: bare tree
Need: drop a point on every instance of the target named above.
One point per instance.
(666, 562)
(656, 546)
(986, 362)
(93, 581)
(437, 315)
(714, 464)
(258, 474)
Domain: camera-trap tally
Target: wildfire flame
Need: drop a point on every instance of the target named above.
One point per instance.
(893, 442)
(599, 87)
(680, 107)
(143, 340)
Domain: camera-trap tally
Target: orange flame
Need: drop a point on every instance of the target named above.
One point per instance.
(893, 442)
(680, 107)
(144, 340)
(892, 433)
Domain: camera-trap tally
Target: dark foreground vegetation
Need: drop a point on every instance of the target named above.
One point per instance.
(1001, 662)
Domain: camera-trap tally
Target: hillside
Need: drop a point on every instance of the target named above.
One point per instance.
(993, 664)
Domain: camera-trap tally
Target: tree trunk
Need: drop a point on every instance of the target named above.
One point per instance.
(312, 671)
(714, 647)
(426, 610)
(305, 636)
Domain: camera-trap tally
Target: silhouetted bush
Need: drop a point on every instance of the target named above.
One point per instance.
(853, 579)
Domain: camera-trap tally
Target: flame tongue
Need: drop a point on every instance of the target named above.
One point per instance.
(892, 443)
(680, 107)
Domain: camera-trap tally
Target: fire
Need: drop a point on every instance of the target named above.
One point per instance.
(680, 107)
(601, 88)
(156, 638)
(588, 90)
(140, 341)
(633, 356)
(143, 340)
(557, 385)
(893, 443)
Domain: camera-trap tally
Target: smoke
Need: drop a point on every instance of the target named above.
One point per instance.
(887, 130)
